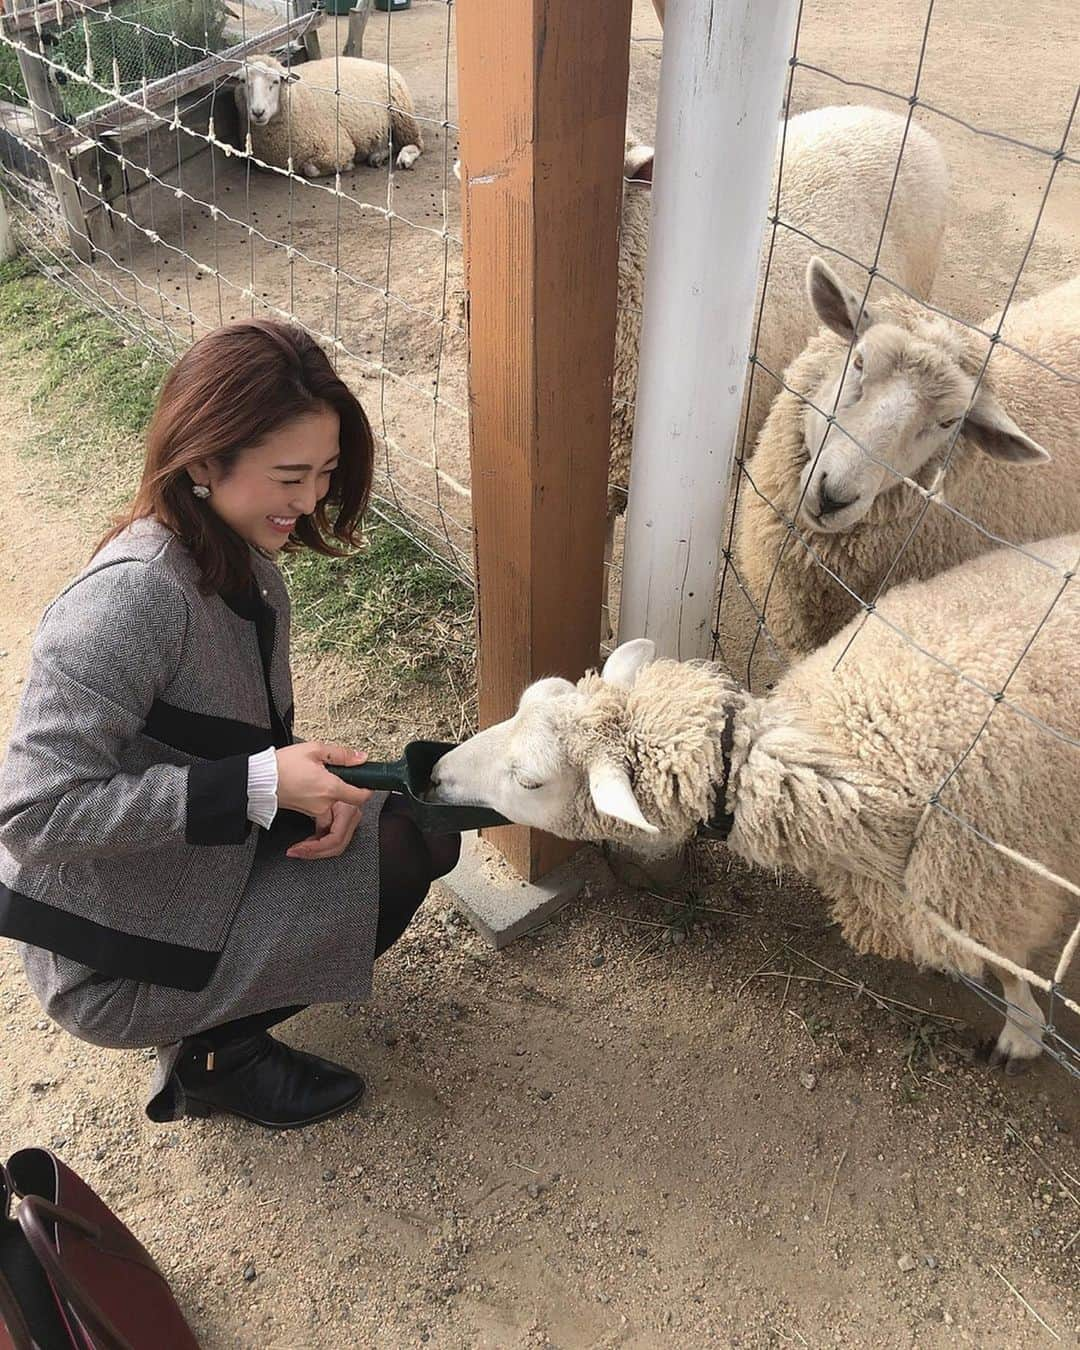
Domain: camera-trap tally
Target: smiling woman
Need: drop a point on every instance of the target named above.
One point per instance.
(180, 871)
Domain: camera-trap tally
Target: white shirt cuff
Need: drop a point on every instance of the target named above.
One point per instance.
(262, 788)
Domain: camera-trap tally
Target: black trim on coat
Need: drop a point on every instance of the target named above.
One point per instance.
(217, 801)
(107, 951)
(202, 734)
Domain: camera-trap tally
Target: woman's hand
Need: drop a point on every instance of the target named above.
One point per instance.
(306, 785)
(333, 833)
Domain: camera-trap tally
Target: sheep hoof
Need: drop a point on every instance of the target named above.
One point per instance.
(309, 170)
(1012, 1052)
(378, 158)
(408, 156)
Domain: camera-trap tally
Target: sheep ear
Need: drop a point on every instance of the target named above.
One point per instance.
(997, 435)
(627, 662)
(836, 305)
(612, 795)
(638, 164)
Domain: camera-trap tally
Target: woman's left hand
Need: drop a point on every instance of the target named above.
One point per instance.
(333, 833)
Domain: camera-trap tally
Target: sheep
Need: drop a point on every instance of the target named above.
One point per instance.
(906, 391)
(838, 170)
(295, 117)
(835, 774)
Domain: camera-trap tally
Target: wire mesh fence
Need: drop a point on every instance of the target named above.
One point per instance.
(189, 226)
(908, 537)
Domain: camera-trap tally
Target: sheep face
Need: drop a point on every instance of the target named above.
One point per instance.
(555, 765)
(258, 90)
(901, 402)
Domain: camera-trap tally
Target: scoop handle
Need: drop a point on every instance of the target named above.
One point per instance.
(388, 776)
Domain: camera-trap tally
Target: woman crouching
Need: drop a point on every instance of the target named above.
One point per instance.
(179, 871)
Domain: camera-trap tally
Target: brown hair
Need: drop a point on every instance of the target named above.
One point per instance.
(235, 386)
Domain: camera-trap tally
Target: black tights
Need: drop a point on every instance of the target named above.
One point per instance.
(409, 861)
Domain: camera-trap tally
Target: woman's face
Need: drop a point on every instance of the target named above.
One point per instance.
(275, 482)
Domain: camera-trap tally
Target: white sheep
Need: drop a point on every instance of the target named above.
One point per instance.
(839, 165)
(906, 391)
(297, 116)
(835, 774)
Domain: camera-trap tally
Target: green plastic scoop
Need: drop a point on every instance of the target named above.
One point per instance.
(411, 776)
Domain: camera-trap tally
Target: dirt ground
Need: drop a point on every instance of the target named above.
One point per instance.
(617, 1133)
(625, 1131)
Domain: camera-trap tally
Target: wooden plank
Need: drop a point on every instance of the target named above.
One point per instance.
(36, 17)
(358, 17)
(112, 117)
(543, 113)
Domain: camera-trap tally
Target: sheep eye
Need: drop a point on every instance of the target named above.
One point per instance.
(529, 787)
(857, 361)
(949, 423)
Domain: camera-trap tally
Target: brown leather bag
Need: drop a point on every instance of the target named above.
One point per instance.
(72, 1276)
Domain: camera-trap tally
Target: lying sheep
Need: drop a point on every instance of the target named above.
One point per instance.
(838, 170)
(907, 389)
(296, 118)
(831, 775)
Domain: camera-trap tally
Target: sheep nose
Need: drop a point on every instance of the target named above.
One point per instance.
(828, 505)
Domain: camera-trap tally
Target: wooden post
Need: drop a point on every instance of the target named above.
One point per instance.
(312, 46)
(542, 97)
(43, 106)
(358, 17)
(7, 238)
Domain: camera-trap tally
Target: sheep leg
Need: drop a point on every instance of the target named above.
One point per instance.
(310, 169)
(407, 156)
(378, 157)
(1021, 1037)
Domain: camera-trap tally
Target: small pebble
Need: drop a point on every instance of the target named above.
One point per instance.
(534, 1190)
(545, 1094)
(249, 1274)
(907, 1262)
(330, 1174)
(808, 1080)
(931, 1261)
(598, 959)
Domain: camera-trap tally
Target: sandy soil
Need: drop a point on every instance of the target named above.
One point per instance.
(609, 1135)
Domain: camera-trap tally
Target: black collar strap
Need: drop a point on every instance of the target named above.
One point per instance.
(722, 822)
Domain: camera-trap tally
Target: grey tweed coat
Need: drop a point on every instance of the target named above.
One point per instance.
(148, 906)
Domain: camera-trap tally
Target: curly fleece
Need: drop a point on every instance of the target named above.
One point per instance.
(832, 773)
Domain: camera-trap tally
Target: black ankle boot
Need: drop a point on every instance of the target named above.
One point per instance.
(262, 1080)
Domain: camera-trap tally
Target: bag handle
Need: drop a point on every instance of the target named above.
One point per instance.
(33, 1212)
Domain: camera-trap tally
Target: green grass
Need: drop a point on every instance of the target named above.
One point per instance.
(137, 42)
(91, 391)
(390, 610)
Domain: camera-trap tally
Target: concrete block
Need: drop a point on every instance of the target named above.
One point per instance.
(495, 900)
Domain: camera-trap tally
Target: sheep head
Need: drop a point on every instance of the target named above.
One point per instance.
(632, 754)
(258, 89)
(908, 390)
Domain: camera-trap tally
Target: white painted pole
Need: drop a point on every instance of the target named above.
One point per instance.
(721, 84)
(7, 237)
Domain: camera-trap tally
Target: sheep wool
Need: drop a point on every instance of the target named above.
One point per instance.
(323, 133)
(839, 165)
(811, 592)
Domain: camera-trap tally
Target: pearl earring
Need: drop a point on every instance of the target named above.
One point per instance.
(200, 490)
